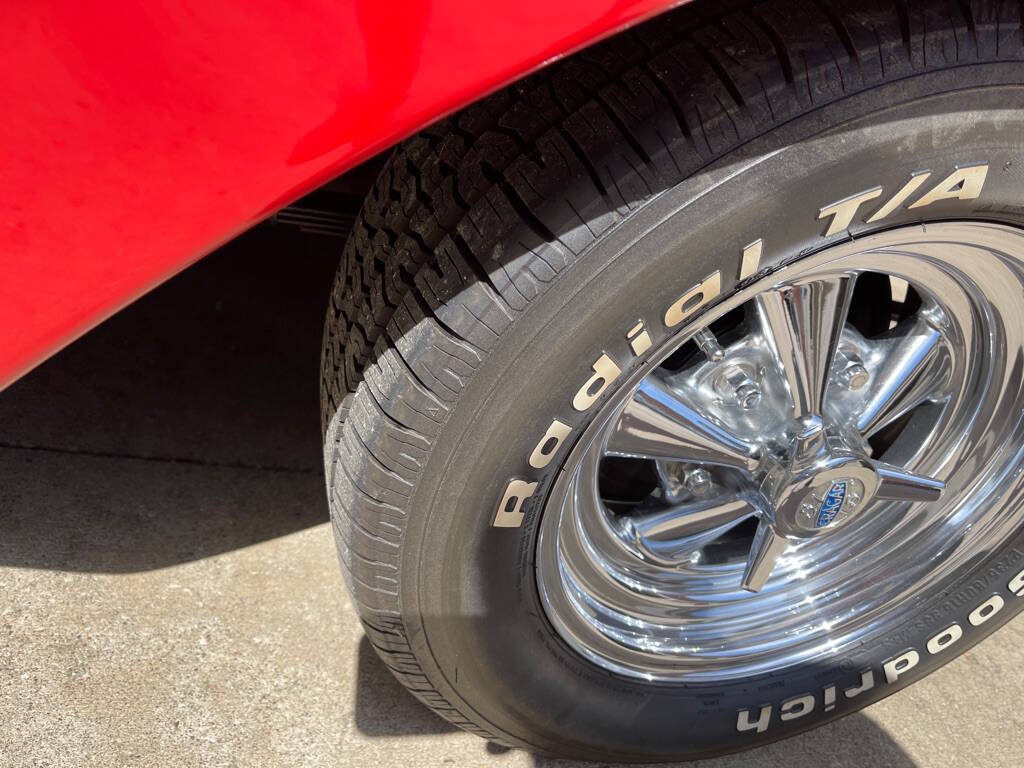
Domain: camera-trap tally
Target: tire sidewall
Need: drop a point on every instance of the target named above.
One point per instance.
(470, 597)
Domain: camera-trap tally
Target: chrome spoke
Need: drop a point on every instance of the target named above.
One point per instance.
(914, 368)
(656, 424)
(765, 552)
(685, 524)
(802, 323)
(898, 484)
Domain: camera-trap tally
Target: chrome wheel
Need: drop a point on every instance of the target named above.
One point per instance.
(801, 467)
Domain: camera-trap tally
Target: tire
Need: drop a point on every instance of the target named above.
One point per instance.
(504, 250)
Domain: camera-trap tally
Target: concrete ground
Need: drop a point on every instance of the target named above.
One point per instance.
(169, 594)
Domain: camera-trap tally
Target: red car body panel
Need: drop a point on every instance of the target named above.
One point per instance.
(137, 138)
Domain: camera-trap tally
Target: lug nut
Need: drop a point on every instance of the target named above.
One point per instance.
(698, 481)
(735, 381)
(748, 395)
(854, 375)
(744, 390)
(671, 474)
(851, 374)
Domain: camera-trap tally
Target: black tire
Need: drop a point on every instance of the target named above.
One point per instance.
(503, 249)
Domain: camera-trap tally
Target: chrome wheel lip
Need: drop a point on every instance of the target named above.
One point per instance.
(622, 642)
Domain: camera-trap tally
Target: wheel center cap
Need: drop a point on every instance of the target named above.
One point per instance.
(832, 502)
(837, 497)
(820, 485)
(822, 497)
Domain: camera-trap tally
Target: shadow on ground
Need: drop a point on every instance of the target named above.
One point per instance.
(215, 370)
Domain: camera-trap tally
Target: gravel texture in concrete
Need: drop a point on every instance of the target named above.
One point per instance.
(169, 593)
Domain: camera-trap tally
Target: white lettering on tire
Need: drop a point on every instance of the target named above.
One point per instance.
(986, 611)
(1016, 584)
(605, 371)
(867, 682)
(962, 184)
(510, 509)
(546, 450)
(944, 639)
(702, 293)
(893, 669)
(764, 716)
(796, 707)
(899, 665)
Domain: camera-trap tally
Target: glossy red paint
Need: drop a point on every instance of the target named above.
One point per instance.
(139, 137)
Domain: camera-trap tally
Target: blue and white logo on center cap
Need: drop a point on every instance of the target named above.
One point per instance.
(831, 505)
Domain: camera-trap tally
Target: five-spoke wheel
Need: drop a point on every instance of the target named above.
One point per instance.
(777, 449)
